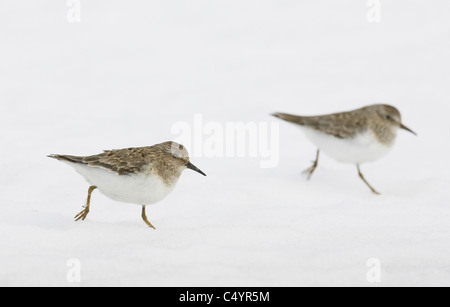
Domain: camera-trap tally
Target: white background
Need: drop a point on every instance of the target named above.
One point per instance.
(129, 70)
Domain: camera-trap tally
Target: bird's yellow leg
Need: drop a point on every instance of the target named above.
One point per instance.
(144, 217)
(365, 181)
(311, 170)
(82, 215)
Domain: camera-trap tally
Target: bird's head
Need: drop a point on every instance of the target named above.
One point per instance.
(390, 116)
(177, 155)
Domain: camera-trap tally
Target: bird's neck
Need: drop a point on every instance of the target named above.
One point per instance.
(384, 134)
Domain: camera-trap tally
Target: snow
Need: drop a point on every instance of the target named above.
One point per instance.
(127, 73)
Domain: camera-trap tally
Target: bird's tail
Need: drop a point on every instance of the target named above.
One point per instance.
(299, 120)
(67, 158)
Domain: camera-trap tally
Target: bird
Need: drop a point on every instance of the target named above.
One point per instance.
(358, 136)
(136, 175)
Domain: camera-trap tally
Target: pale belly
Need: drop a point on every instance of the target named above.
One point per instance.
(135, 189)
(360, 149)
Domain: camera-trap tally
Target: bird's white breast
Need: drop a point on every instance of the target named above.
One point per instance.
(364, 147)
(138, 189)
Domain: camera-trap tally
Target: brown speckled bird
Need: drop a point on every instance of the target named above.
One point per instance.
(141, 175)
(359, 136)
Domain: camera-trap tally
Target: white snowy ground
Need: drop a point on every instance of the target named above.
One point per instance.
(127, 73)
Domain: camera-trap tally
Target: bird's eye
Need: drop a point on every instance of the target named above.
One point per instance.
(388, 117)
(174, 156)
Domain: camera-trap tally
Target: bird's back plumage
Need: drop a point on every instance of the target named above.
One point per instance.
(341, 125)
(121, 161)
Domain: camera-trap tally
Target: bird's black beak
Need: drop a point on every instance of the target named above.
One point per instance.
(194, 168)
(407, 129)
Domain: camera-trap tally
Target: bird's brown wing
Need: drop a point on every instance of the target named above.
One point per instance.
(121, 161)
(341, 125)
